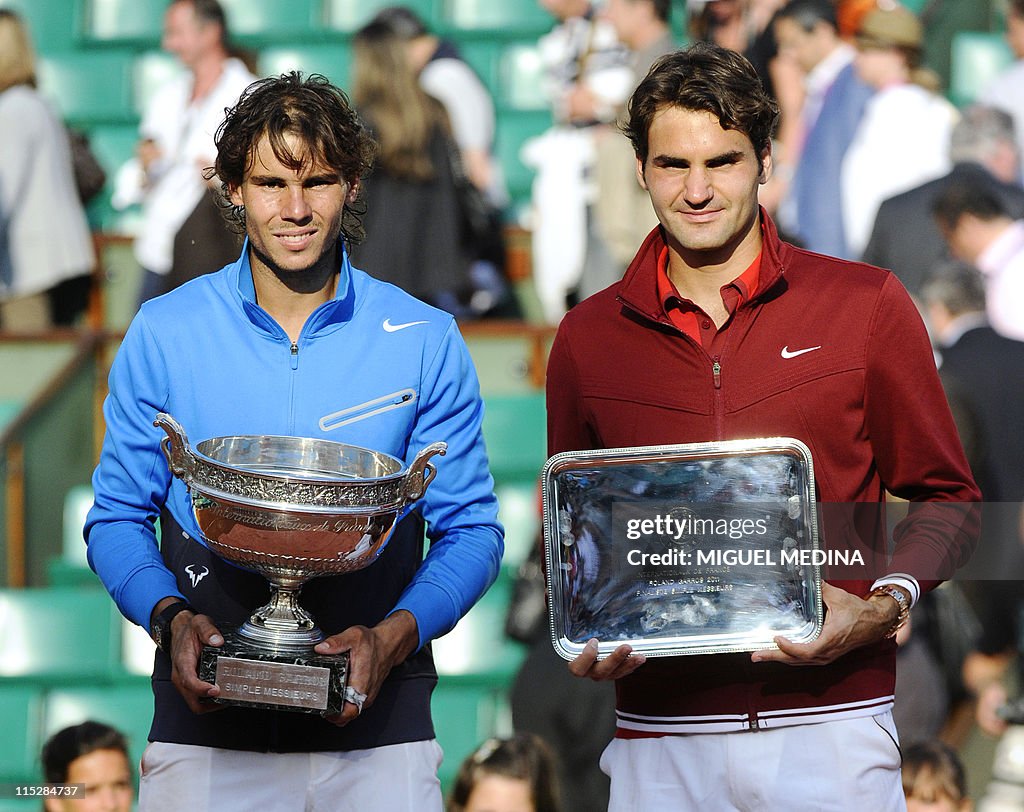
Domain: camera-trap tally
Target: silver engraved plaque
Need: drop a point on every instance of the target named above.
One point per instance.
(262, 682)
(683, 549)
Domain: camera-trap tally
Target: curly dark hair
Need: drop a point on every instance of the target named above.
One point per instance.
(313, 110)
(708, 78)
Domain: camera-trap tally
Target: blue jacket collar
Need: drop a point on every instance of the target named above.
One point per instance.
(336, 311)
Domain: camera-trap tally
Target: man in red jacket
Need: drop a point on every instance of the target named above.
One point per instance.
(721, 331)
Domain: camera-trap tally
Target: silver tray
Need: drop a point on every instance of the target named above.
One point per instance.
(725, 561)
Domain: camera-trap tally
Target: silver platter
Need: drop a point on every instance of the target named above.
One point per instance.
(682, 549)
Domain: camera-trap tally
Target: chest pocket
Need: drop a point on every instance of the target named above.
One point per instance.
(401, 399)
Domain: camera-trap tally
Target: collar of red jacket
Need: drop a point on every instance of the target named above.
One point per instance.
(639, 287)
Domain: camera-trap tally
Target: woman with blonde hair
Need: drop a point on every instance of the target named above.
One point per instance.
(413, 225)
(46, 249)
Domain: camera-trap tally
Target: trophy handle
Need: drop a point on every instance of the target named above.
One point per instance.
(175, 446)
(421, 472)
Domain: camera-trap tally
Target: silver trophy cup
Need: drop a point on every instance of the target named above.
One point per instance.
(291, 509)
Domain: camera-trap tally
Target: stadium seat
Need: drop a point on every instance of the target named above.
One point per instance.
(123, 20)
(482, 54)
(476, 651)
(71, 567)
(331, 60)
(521, 78)
(54, 634)
(514, 128)
(977, 57)
(271, 20)
(51, 23)
(508, 17)
(464, 716)
(21, 722)
(519, 513)
(350, 15)
(113, 144)
(515, 430)
(128, 706)
(9, 409)
(88, 87)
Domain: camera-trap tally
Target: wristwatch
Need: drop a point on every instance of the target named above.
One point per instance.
(902, 601)
(160, 628)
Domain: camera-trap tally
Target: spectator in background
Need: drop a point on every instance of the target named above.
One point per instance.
(934, 779)
(903, 137)
(980, 230)
(623, 209)
(1007, 89)
(905, 237)
(412, 212)
(587, 79)
(446, 76)
(176, 146)
(834, 101)
(46, 253)
(507, 775)
(94, 755)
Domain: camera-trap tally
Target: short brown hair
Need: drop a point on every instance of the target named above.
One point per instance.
(707, 78)
(312, 109)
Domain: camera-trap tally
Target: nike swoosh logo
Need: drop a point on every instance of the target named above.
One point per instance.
(394, 328)
(786, 353)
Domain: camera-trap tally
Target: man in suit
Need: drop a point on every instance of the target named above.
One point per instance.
(983, 374)
(905, 237)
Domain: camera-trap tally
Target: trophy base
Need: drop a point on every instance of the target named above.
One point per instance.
(300, 681)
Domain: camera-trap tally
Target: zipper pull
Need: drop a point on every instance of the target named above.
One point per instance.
(295, 355)
(716, 371)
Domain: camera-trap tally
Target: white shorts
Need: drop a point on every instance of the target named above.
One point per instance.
(399, 777)
(841, 766)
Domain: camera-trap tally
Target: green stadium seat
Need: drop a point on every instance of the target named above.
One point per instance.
(507, 17)
(514, 128)
(519, 513)
(483, 55)
(350, 15)
(331, 60)
(123, 21)
(71, 568)
(19, 805)
(150, 71)
(54, 634)
(977, 57)
(88, 87)
(21, 722)
(271, 20)
(127, 705)
(521, 83)
(113, 144)
(464, 717)
(9, 409)
(515, 430)
(51, 23)
(476, 651)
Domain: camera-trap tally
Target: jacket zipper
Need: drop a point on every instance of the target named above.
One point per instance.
(370, 408)
(716, 376)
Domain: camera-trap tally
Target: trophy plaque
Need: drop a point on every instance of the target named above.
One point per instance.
(291, 509)
(683, 549)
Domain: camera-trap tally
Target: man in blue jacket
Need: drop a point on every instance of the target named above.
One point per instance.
(292, 340)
